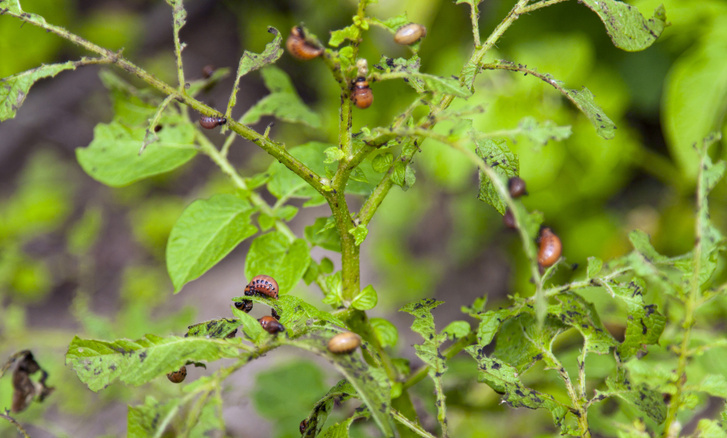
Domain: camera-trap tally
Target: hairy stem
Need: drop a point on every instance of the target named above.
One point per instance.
(690, 307)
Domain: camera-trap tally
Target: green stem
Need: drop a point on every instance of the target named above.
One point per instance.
(410, 424)
(17, 425)
(368, 209)
(539, 5)
(178, 46)
(690, 307)
(207, 148)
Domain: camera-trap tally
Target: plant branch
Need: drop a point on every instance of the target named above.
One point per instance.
(272, 148)
(539, 5)
(690, 305)
(179, 21)
(15, 423)
(398, 416)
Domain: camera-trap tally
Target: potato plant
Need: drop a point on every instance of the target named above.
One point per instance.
(547, 350)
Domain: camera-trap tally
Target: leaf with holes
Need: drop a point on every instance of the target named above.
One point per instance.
(100, 363)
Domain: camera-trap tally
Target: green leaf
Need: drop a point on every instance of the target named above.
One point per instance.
(503, 378)
(644, 324)
(366, 299)
(113, 156)
(428, 351)
(542, 132)
(445, 85)
(319, 414)
(142, 421)
(14, 89)
(352, 33)
(714, 384)
(359, 233)
(403, 175)
(497, 155)
(205, 233)
(490, 323)
(295, 314)
(274, 255)
(584, 100)
(334, 284)
(215, 328)
(641, 396)
(12, 6)
(100, 363)
(628, 29)
(576, 312)
(594, 267)
(253, 61)
(286, 213)
(695, 98)
(457, 330)
(323, 233)
(522, 343)
(265, 221)
(333, 154)
(382, 162)
(283, 102)
(251, 327)
(393, 23)
(385, 332)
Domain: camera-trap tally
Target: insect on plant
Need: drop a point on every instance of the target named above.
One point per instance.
(547, 349)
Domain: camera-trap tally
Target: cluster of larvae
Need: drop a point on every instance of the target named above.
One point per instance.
(303, 49)
(266, 285)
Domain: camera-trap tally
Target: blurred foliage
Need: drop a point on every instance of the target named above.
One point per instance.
(592, 191)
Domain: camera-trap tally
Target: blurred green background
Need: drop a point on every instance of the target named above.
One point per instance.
(77, 257)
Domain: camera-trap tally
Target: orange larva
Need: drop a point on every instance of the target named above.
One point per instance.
(211, 122)
(303, 425)
(299, 47)
(178, 376)
(410, 34)
(516, 186)
(550, 248)
(362, 95)
(271, 325)
(344, 342)
(244, 305)
(262, 285)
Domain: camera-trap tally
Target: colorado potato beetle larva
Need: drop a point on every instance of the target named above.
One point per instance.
(344, 342)
(516, 186)
(550, 248)
(409, 34)
(263, 285)
(362, 95)
(211, 122)
(299, 47)
(178, 376)
(271, 325)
